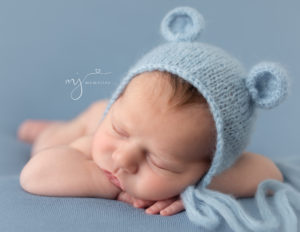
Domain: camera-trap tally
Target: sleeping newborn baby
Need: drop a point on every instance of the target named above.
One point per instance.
(157, 138)
(172, 136)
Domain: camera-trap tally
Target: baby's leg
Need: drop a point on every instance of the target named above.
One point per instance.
(29, 130)
(44, 134)
(49, 134)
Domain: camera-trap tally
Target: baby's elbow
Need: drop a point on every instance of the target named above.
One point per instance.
(26, 180)
(271, 170)
(29, 179)
(277, 174)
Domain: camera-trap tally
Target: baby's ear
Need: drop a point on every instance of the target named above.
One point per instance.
(268, 84)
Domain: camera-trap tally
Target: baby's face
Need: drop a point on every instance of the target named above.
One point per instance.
(155, 152)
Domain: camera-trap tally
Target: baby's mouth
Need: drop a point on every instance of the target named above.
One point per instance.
(113, 179)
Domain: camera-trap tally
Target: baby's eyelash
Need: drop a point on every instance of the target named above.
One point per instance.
(116, 131)
(162, 168)
(114, 128)
(155, 164)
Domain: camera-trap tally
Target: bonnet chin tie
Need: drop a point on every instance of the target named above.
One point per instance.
(208, 208)
(232, 96)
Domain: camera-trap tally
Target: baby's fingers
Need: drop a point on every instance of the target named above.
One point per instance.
(125, 197)
(174, 208)
(158, 206)
(142, 203)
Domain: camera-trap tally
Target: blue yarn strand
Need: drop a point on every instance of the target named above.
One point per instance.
(208, 207)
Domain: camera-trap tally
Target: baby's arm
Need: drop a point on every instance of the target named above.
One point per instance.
(243, 178)
(65, 171)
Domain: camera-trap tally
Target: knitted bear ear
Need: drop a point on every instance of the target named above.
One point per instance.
(268, 84)
(182, 24)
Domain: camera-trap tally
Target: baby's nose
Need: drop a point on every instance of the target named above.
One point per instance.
(127, 158)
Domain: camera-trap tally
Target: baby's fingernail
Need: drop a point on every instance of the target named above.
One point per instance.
(149, 211)
(136, 205)
(164, 212)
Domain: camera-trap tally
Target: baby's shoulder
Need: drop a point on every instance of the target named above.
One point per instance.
(91, 117)
(83, 144)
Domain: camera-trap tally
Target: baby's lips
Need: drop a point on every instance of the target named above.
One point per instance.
(113, 179)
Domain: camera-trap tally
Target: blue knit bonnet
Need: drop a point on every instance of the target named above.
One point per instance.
(232, 94)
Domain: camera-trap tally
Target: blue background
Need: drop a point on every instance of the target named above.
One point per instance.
(45, 43)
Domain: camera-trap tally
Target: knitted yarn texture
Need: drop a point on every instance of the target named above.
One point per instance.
(233, 95)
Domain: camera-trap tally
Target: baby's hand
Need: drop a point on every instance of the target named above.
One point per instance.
(166, 207)
(125, 197)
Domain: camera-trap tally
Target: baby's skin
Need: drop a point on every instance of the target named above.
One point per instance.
(144, 152)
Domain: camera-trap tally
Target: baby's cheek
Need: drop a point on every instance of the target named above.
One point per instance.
(102, 144)
(157, 188)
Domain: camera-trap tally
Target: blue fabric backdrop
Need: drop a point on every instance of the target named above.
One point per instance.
(45, 44)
